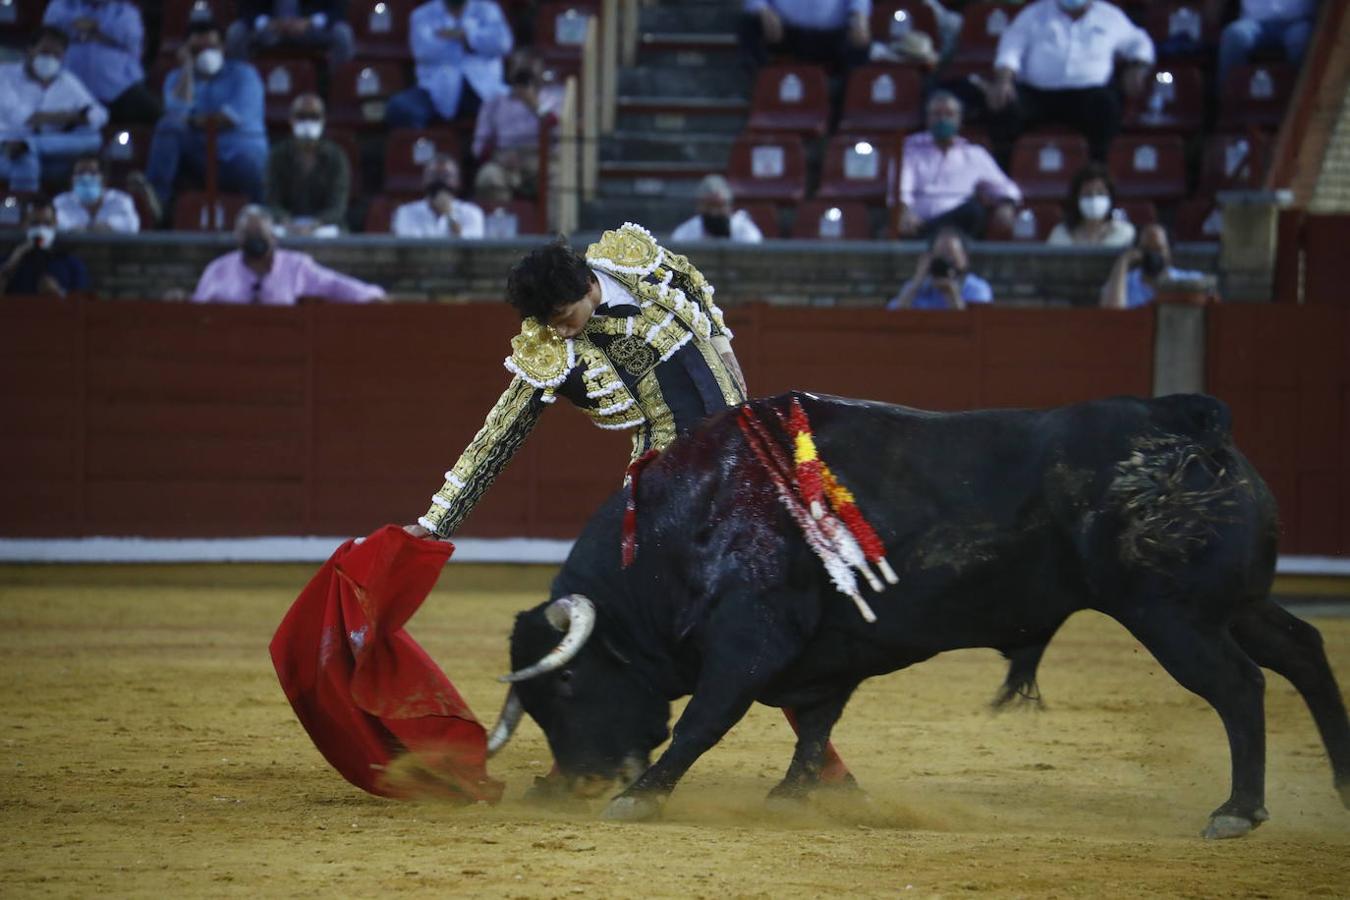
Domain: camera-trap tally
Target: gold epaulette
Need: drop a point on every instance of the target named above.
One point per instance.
(628, 252)
(541, 358)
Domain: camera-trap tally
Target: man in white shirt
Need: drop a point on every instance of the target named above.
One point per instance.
(47, 116)
(1055, 65)
(458, 46)
(715, 219)
(92, 206)
(1267, 24)
(441, 213)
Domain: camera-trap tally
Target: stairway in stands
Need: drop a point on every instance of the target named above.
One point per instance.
(679, 109)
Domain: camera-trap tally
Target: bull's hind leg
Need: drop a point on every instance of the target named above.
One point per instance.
(1280, 641)
(814, 722)
(1206, 660)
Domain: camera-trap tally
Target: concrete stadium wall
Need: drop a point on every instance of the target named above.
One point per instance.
(175, 420)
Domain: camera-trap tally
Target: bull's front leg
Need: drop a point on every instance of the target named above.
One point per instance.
(746, 649)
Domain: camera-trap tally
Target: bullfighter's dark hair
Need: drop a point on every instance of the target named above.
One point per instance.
(549, 278)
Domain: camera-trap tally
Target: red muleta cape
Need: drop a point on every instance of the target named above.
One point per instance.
(361, 686)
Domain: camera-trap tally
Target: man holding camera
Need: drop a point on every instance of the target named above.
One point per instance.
(1137, 272)
(942, 279)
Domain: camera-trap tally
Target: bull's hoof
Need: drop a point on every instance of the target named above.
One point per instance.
(634, 808)
(1227, 826)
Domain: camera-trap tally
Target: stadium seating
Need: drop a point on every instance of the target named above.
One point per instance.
(768, 167)
(830, 220)
(856, 169)
(560, 30)
(881, 98)
(1255, 96)
(359, 90)
(893, 19)
(381, 28)
(1172, 23)
(1151, 167)
(191, 212)
(1044, 164)
(790, 98)
(126, 149)
(408, 150)
(980, 31)
(1174, 101)
(765, 217)
(508, 220)
(284, 80)
(18, 18)
(1233, 161)
(380, 212)
(1198, 219)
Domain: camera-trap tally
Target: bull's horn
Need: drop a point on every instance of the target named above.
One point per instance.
(506, 723)
(574, 613)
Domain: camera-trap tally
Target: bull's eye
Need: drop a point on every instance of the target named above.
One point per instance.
(565, 683)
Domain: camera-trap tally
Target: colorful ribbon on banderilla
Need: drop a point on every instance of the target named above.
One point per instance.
(824, 509)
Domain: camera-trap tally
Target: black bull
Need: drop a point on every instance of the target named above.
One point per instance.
(1000, 525)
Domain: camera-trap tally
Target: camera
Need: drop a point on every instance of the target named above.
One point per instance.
(940, 268)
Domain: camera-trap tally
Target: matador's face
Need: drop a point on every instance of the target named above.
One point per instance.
(568, 321)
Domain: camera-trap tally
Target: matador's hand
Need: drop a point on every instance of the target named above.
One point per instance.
(417, 531)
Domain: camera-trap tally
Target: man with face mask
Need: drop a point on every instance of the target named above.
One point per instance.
(1057, 63)
(458, 46)
(308, 176)
(92, 206)
(715, 219)
(942, 279)
(207, 91)
(440, 214)
(261, 273)
(107, 42)
(36, 266)
(47, 116)
(947, 180)
(1137, 272)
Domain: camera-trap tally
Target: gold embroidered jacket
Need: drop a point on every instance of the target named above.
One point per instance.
(657, 372)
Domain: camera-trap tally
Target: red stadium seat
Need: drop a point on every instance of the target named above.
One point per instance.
(768, 167)
(191, 212)
(1199, 219)
(765, 217)
(283, 81)
(560, 29)
(359, 90)
(1174, 101)
(893, 19)
(856, 169)
(1256, 96)
(381, 28)
(882, 98)
(1234, 161)
(1139, 212)
(178, 14)
(380, 212)
(981, 29)
(790, 98)
(408, 150)
(1044, 164)
(508, 220)
(831, 220)
(1180, 22)
(1149, 167)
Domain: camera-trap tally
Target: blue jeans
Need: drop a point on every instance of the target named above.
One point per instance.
(1243, 36)
(413, 108)
(176, 145)
(49, 154)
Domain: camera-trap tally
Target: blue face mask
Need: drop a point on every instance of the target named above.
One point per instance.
(88, 188)
(943, 129)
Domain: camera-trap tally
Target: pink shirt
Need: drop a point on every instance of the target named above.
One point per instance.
(293, 275)
(933, 181)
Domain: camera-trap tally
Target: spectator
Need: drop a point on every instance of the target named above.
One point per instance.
(1055, 64)
(34, 267)
(1088, 219)
(947, 180)
(259, 272)
(941, 278)
(304, 24)
(1263, 25)
(206, 91)
(835, 33)
(1137, 272)
(308, 176)
(441, 214)
(458, 46)
(715, 219)
(506, 138)
(107, 42)
(90, 205)
(47, 116)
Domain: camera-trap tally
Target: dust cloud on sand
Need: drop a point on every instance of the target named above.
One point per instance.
(147, 750)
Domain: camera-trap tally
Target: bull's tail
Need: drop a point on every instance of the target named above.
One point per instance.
(1020, 685)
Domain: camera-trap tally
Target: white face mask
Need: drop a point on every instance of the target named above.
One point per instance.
(43, 236)
(209, 61)
(45, 66)
(1095, 207)
(307, 129)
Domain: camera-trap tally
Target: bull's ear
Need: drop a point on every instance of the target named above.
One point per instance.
(614, 651)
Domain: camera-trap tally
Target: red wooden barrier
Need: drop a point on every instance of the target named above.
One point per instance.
(183, 420)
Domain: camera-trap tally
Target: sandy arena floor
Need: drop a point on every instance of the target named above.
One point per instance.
(149, 751)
